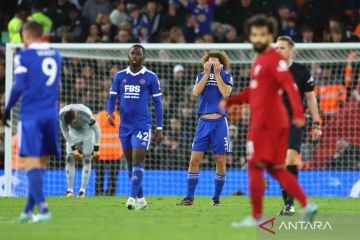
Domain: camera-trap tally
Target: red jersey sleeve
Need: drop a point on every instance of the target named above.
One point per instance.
(285, 79)
(240, 97)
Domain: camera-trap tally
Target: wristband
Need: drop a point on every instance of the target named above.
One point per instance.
(74, 147)
(316, 123)
(96, 148)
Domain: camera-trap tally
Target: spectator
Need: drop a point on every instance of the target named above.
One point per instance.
(336, 35)
(151, 18)
(58, 12)
(173, 18)
(283, 17)
(208, 38)
(135, 20)
(92, 8)
(199, 39)
(290, 29)
(78, 25)
(190, 29)
(204, 13)
(231, 36)
(307, 34)
(15, 24)
(219, 31)
(123, 36)
(242, 10)
(95, 34)
(177, 35)
(118, 15)
(38, 16)
(144, 34)
(346, 157)
(165, 37)
(107, 29)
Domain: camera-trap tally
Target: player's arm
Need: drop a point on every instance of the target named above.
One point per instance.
(65, 130)
(20, 74)
(156, 94)
(224, 86)
(111, 101)
(240, 97)
(201, 83)
(284, 77)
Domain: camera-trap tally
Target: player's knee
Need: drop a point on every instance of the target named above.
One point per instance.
(291, 157)
(70, 158)
(87, 159)
(195, 162)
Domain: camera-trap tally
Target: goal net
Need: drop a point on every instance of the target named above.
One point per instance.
(330, 167)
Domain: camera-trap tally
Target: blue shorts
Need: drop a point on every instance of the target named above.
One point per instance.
(135, 138)
(38, 136)
(212, 134)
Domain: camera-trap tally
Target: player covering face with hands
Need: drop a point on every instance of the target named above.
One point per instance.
(135, 86)
(212, 133)
(269, 126)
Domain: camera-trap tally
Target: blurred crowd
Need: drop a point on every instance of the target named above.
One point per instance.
(180, 21)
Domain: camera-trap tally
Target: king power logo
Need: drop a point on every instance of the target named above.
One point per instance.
(271, 227)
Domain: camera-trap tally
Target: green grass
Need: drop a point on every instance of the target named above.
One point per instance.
(107, 218)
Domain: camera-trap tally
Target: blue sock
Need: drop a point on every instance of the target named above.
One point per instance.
(219, 184)
(192, 179)
(140, 193)
(30, 204)
(136, 179)
(35, 177)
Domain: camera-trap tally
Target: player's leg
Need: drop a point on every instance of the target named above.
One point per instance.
(70, 171)
(294, 144)
(113, 171)
(287, 180)
(200, 145)
(220, 143)
(87, 147)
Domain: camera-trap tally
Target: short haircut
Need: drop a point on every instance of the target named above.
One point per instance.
(307, 28)
(69, 116)
(221, 55)
(138, 46)
(287, 39)
(35, 29)
(261, 20)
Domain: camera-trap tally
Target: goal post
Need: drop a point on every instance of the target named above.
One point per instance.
(86, 78)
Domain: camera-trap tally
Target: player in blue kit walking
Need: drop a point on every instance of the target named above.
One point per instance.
(211, 86)
(37, 78)
(135, 86)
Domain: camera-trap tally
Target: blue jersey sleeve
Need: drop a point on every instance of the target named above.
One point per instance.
(114, 92)
(227, 77)
(156, 93)
(20, 74)
(199, 77)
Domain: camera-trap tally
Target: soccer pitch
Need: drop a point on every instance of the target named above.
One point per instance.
(107, 218)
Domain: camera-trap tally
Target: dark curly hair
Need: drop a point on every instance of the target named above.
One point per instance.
(221, 55)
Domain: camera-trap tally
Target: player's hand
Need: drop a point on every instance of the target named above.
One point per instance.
(111, 120)
(158, 136)
(5, 118)
(223, 104)
(316, 133)
(298, 122)
(217, 68)
(95, 153)
(77, 154)
(207, 67)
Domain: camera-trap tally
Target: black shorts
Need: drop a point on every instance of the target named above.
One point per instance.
(295, 138)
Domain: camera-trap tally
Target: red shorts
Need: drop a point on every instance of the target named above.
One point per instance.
(267, 144)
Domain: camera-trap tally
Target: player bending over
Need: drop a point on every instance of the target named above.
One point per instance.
(82, 135)
(269, 127)
(37, 78)
(135, 85)
(211, 85)
(305, 83)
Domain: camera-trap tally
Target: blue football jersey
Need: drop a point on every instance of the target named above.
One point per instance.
(37, 71)
(135, 91)
(210, 98)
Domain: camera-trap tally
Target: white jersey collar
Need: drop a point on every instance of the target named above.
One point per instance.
(39, 45)
(142, 71)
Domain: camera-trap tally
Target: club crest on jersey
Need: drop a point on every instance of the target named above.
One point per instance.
(142, 81)
(257, 69)
(124, 80)
(282, 66)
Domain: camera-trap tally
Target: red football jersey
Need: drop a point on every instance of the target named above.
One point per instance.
(269, 77)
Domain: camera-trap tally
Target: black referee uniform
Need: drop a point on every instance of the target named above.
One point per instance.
(305, 83)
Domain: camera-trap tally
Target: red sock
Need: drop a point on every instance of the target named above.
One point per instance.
(290, 184)
(256, 188)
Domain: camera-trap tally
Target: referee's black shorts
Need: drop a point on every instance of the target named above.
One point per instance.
(295, 138)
